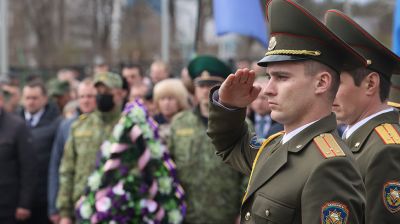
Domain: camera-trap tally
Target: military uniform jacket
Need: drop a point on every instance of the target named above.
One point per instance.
(294, 182)
(377, 151)
(79, 158)
(212, 189)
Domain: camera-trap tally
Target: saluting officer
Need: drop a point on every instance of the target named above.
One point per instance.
(306, 174)
(373, 129)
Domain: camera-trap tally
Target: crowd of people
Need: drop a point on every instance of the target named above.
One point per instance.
(63, 122)
(137, 147)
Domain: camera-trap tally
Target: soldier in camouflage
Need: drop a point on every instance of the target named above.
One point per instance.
(212, 189)
(86, 136)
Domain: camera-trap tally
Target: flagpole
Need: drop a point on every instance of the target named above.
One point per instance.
(198, 22)
(3, 38)
(165, 30)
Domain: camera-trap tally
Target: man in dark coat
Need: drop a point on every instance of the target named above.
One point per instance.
(17, 167)
(43, 119)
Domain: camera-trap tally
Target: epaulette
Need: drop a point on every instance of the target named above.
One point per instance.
(388, 134)
(328, 146)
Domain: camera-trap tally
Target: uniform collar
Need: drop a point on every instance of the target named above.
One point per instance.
(359, 136)
(351, 129)
(303, 137)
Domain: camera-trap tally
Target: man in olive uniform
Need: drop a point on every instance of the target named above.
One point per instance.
(212, 189)
(306, 174)
(373, 130)
(86, 136)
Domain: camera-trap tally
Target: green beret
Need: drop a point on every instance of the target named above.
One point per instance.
(295, 35)
(379, 58)
(208, 69)
(109, 79)
(57, 87)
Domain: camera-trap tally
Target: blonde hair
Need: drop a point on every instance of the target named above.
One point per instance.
(174, 88)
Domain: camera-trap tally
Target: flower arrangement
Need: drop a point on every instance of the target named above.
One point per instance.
(135, 179)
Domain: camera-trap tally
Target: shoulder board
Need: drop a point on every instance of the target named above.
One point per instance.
(328, 146)
(388, 133)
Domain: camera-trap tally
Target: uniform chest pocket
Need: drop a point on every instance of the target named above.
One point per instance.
(268, 211)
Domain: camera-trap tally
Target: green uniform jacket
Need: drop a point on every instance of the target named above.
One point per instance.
(293, 182)
(212, 189)
(379, 164)
(79, 159)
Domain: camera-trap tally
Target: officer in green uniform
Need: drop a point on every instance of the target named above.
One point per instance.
(212, 189)
(306, 174)
(373, 130)
(86, 136)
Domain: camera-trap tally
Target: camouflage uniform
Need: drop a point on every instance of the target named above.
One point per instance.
(79, 158)
(212, 189)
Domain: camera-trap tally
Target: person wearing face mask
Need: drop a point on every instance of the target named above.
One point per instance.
(86, 136)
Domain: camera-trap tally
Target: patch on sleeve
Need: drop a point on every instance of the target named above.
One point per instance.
(388, 134)
(334, 213)
(391, 196)
(256, 142)
(328, 146)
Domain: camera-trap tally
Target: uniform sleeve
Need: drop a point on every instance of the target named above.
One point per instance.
(382, 182)
(65, 204)
(230, 135)
(27, 161)
(333, 193)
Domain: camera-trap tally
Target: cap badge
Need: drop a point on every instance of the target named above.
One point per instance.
(205, 75)
(272, 43)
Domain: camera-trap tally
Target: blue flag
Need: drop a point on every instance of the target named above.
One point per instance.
(396, 29)
(244, 17)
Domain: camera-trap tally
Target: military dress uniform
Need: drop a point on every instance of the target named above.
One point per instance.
(312, 177)
(375, 144)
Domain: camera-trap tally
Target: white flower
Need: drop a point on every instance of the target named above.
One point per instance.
(147, 132)
(118, 130)
(149, 204)
(112, 222)
(119, 189)
(174, 217)
(156, 149)
(85, 210)
(94, 181)
(165, 185)
(103, 204)
(137, 115)
(106, 149)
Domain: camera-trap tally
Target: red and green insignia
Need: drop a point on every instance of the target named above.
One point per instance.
(334, 213)
(391, 196)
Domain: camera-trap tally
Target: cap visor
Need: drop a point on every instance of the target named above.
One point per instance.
(279, 58)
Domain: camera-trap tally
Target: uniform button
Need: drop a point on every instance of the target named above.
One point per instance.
(267, 212)
(247, 216)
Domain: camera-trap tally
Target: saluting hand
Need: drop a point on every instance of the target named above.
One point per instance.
(237, 90)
